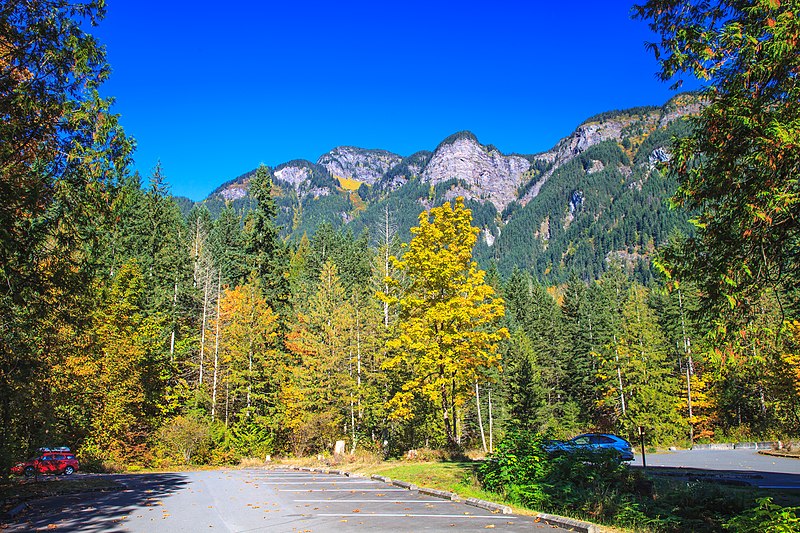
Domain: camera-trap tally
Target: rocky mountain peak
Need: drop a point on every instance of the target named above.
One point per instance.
(486, 174)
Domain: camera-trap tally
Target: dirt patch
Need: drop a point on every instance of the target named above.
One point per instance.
(793, 454)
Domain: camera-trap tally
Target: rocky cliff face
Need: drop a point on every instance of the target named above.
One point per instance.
(486, 174)
(365, 166)
(631, 125)
(305, 178)
(588, 134)
(409, 168)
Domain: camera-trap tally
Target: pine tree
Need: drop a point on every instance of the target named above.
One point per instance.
(227, 244)
(264, 248)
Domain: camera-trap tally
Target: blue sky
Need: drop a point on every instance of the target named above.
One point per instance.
(213, 89)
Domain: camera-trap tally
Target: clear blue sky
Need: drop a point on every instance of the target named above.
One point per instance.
(214, 89)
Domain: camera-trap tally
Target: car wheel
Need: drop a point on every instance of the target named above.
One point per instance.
(68, 471)
(29, 471)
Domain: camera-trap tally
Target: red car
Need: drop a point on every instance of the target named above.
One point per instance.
(48, 461)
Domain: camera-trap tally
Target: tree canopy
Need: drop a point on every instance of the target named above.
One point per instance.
(739, 168)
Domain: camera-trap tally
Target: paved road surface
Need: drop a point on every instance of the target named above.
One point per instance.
(746, 466)
(261, 500)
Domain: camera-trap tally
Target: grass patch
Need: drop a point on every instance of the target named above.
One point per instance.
(458, 477)
(15, 491)
(348, 184)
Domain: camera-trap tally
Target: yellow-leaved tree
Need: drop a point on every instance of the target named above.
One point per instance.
(447, 334)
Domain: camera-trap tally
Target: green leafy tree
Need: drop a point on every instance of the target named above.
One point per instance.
(738, 168)
(130, 363)
(61, 156)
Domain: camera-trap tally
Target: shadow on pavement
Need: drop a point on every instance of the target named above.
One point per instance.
(97, 511)
(744, 478)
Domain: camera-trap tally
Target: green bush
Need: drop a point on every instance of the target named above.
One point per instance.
(588, 483)
(518, 469)
(766, 517)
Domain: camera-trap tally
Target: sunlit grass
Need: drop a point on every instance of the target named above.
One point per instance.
(458, 477)
(348, 184)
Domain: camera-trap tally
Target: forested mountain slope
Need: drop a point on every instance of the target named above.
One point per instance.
(595, 196)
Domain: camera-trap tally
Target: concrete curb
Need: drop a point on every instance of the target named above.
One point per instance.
(567, 523)
(489, 506)
(443, 494)
(381, 478)
(404, 484)
(736, 446)
(774, 453)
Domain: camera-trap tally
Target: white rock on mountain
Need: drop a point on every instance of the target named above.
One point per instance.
(366, 166)
(293, 175)
(299, 176)
(488, 174)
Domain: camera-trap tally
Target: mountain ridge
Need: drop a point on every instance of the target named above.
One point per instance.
(598, 167)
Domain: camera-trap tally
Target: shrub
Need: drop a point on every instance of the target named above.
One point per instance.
(766, 517)
(184, 436)
(518, 468)
(590, 483)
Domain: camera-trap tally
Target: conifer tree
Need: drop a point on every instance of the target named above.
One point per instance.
(577, 338)
(264, 248)
(227, 244)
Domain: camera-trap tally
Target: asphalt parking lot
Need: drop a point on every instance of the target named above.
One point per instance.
(740, 466)
(262, 500)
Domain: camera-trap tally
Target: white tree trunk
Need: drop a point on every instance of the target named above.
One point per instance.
(203, 328)
(216, 352)
(480, 418)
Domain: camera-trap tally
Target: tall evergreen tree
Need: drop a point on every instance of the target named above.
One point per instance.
(265, 250)
(227, 244)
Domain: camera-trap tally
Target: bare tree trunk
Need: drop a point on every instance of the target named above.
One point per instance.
(491, 423)
(227, 399)
(249, 375)
(448, 431)
(358, 362)
(203, 329)
(216, 352)
(480, 419)
(388, 235)
(619, 375)
(687, 350)
(353, 424)
(172, 336)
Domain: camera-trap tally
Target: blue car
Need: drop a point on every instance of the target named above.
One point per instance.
(592, 442)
